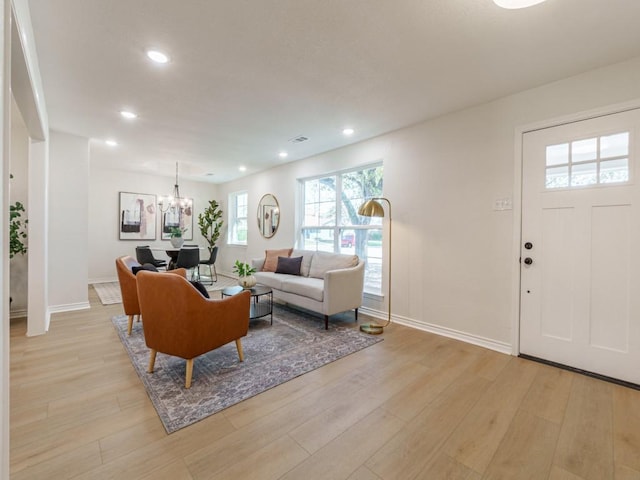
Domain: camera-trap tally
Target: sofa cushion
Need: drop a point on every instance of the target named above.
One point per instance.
(270, 279)
(289, 265)
(306, 255)
(304, 286)
(271, 258)
(322, 262)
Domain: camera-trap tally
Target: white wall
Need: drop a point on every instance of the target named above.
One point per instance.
(68, 221)
(104, 187)
(453, 255)
(18, 192)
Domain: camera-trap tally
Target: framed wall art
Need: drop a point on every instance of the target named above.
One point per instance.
(137, 220)
(176, 216)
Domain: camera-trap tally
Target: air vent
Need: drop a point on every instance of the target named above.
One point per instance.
(299, 139)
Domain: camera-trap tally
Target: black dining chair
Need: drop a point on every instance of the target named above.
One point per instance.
(211, 261)
(144, 255)
(189, 258)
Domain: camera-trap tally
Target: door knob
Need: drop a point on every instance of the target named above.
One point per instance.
(528, 261)
(528, 245)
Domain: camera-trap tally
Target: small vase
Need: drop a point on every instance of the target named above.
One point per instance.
(177, 242)
(247, 282)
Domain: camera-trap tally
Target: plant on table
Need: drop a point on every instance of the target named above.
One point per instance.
(245, 273)
(176, 232)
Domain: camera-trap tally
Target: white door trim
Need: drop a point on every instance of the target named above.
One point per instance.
(517, 197)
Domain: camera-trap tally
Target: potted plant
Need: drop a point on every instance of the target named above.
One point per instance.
(210, 222)
(176, 236)
(245, 274)
(17, 235)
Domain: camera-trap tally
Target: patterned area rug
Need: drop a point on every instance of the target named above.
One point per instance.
(296, 344)
(109, 292)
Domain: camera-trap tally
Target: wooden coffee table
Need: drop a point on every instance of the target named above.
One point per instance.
(261, 300)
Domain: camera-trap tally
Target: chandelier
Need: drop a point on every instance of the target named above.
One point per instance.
(173, 201)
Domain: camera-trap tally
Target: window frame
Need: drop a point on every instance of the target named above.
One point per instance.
(233, 218)
(338, 229)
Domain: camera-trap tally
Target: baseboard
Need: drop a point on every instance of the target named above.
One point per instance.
(18, 313)
(103, 280)
(488, 343)
(69, 307)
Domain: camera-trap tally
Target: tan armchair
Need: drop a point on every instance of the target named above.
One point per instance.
(179, 321)
(129, 289)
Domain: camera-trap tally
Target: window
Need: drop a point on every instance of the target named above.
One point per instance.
(590, 161)
(238, 204)
(330, 220)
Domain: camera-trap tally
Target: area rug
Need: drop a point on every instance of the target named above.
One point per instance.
(109, 292)
(295, 344)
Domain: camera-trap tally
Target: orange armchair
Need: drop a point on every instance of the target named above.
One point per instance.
(179, 321)
(129, 289)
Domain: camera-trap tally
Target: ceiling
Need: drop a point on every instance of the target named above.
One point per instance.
(247, 76)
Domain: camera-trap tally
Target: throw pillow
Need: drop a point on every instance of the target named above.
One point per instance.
(147, 266)
(323, 262)
(200, 287)
(289, 265)
(271, 258)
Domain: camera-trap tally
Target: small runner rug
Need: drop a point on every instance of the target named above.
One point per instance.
(295, 344)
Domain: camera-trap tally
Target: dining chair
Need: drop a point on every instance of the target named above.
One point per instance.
(211, 261)
(189, 259)
(145, 255)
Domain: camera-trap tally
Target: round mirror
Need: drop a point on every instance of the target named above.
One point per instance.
(268, 216)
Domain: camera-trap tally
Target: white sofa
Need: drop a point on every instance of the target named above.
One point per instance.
(328, 283)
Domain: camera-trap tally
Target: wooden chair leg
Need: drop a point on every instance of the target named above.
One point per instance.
(187, 381)
(130, 325)
(152, 360)
(240, 352)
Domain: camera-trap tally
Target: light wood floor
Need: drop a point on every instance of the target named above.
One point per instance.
(413, 406)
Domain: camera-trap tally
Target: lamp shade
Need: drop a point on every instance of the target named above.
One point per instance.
(371, 208)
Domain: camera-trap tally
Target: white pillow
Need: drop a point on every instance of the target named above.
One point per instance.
(322, 262)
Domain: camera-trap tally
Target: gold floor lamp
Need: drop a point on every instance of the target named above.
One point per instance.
(373, 208)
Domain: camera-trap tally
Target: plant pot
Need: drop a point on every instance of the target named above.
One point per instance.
(247, 282)
(177, 242)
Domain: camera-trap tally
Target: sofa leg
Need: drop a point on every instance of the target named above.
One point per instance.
(356, 315)
(326, 322)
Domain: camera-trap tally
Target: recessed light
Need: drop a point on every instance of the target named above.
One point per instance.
(283, 154)
(128, 115)
(157, 56)
(513, 4)
(111, 143)
(242, 168)
(348, 131)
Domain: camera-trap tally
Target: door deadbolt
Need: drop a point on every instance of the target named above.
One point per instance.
(528, 245)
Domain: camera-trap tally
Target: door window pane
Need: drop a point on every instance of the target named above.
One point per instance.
(614, 145)
(613, 171)
(557, 154)
(584, 150)
(557, 177)
(584, 174)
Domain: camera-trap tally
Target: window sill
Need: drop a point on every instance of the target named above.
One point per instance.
(378, 297)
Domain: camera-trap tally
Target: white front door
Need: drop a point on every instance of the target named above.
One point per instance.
(580, 252)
